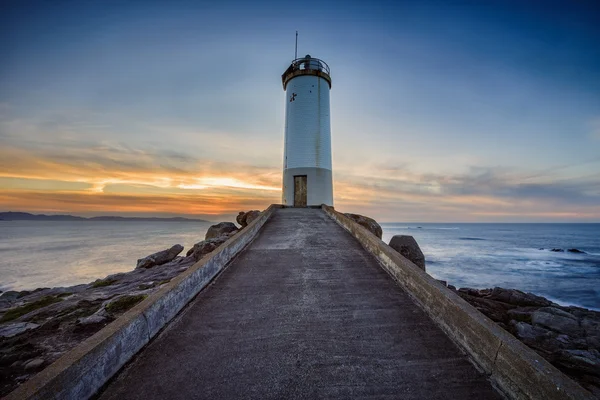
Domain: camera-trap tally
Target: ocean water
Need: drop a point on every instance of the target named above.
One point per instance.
(511, 256)
(47, 254)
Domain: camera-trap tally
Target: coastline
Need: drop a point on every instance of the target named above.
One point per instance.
(38, 326)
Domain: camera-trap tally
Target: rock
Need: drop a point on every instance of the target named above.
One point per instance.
(557, 320)
(494, 310)
(251, 216)
(520, 314)
(92, 320)
(16, 328)
(469, 291)
(241, 219)
(220, 229)
(576, 251)
(586, 361)
(244, 218)
(409, 248)
(516, 297)
(557, 250)
(206, 246)
(159, 258)
(530, 334)
(367, 222)
(34, 364)
(10, 295)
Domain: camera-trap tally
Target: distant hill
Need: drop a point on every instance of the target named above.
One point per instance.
(22, 216)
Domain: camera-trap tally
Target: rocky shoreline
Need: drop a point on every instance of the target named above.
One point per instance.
(566, 336)
(37, 327)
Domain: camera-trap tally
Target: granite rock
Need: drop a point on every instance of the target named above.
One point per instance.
(159, 258)
(409, 248)
(220, 229)
(369, 223)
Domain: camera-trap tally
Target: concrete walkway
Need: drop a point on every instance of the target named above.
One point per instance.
(304, 312)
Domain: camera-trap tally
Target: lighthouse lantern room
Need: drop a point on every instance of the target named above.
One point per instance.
(307, 177)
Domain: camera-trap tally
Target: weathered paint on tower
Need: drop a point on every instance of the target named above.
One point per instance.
(307, 176)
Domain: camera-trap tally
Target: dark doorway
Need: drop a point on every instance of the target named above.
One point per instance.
(300, 191)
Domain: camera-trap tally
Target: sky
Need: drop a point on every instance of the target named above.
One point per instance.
(441, 111)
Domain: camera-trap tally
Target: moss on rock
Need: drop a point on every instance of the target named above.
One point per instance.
(15, 313)
(124, 303)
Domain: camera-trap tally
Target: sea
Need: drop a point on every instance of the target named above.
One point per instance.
(63, 253)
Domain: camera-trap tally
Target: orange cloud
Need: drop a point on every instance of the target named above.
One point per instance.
(115, 179)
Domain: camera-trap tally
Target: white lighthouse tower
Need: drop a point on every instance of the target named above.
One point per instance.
(307, 178)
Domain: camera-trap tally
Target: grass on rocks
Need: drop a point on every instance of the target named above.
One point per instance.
(124, 303)
(27, 308)
(103, 282)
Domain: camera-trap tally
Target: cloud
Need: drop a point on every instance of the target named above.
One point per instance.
(480, 194)
(59, 173)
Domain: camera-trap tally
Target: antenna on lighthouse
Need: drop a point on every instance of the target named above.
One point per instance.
(296, 52)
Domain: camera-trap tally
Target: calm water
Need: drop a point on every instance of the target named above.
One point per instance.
(46, 254)
(509, 255)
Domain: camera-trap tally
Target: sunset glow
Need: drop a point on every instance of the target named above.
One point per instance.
(454, 116)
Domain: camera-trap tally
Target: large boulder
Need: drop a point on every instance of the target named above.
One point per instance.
(220, 229)
(367, 222)
(244, 218)
(162, 257)
(204, 247)
(251, 216)
(409, 248)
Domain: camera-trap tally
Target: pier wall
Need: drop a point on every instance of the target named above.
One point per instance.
(515, 369)
(81, 372)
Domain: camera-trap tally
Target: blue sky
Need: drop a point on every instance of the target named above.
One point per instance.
(441, 111)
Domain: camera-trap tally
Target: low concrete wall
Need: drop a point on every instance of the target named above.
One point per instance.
(82, 371)
(518, 371)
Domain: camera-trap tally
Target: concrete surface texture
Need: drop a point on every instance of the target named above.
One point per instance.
(303, 312)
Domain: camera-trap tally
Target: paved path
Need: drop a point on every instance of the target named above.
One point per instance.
(304, 312)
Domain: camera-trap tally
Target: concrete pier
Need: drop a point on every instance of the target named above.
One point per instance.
(303, 312)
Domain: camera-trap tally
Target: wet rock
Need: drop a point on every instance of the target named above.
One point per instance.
(162, 257)
(576, 251)
(557, 250)
(367, 222)
(409, 248)
(16, 328)
(220, 229)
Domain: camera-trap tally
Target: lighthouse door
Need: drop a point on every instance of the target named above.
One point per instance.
(300, 191)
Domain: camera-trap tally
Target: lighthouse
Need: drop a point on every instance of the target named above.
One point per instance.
(307, 177)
